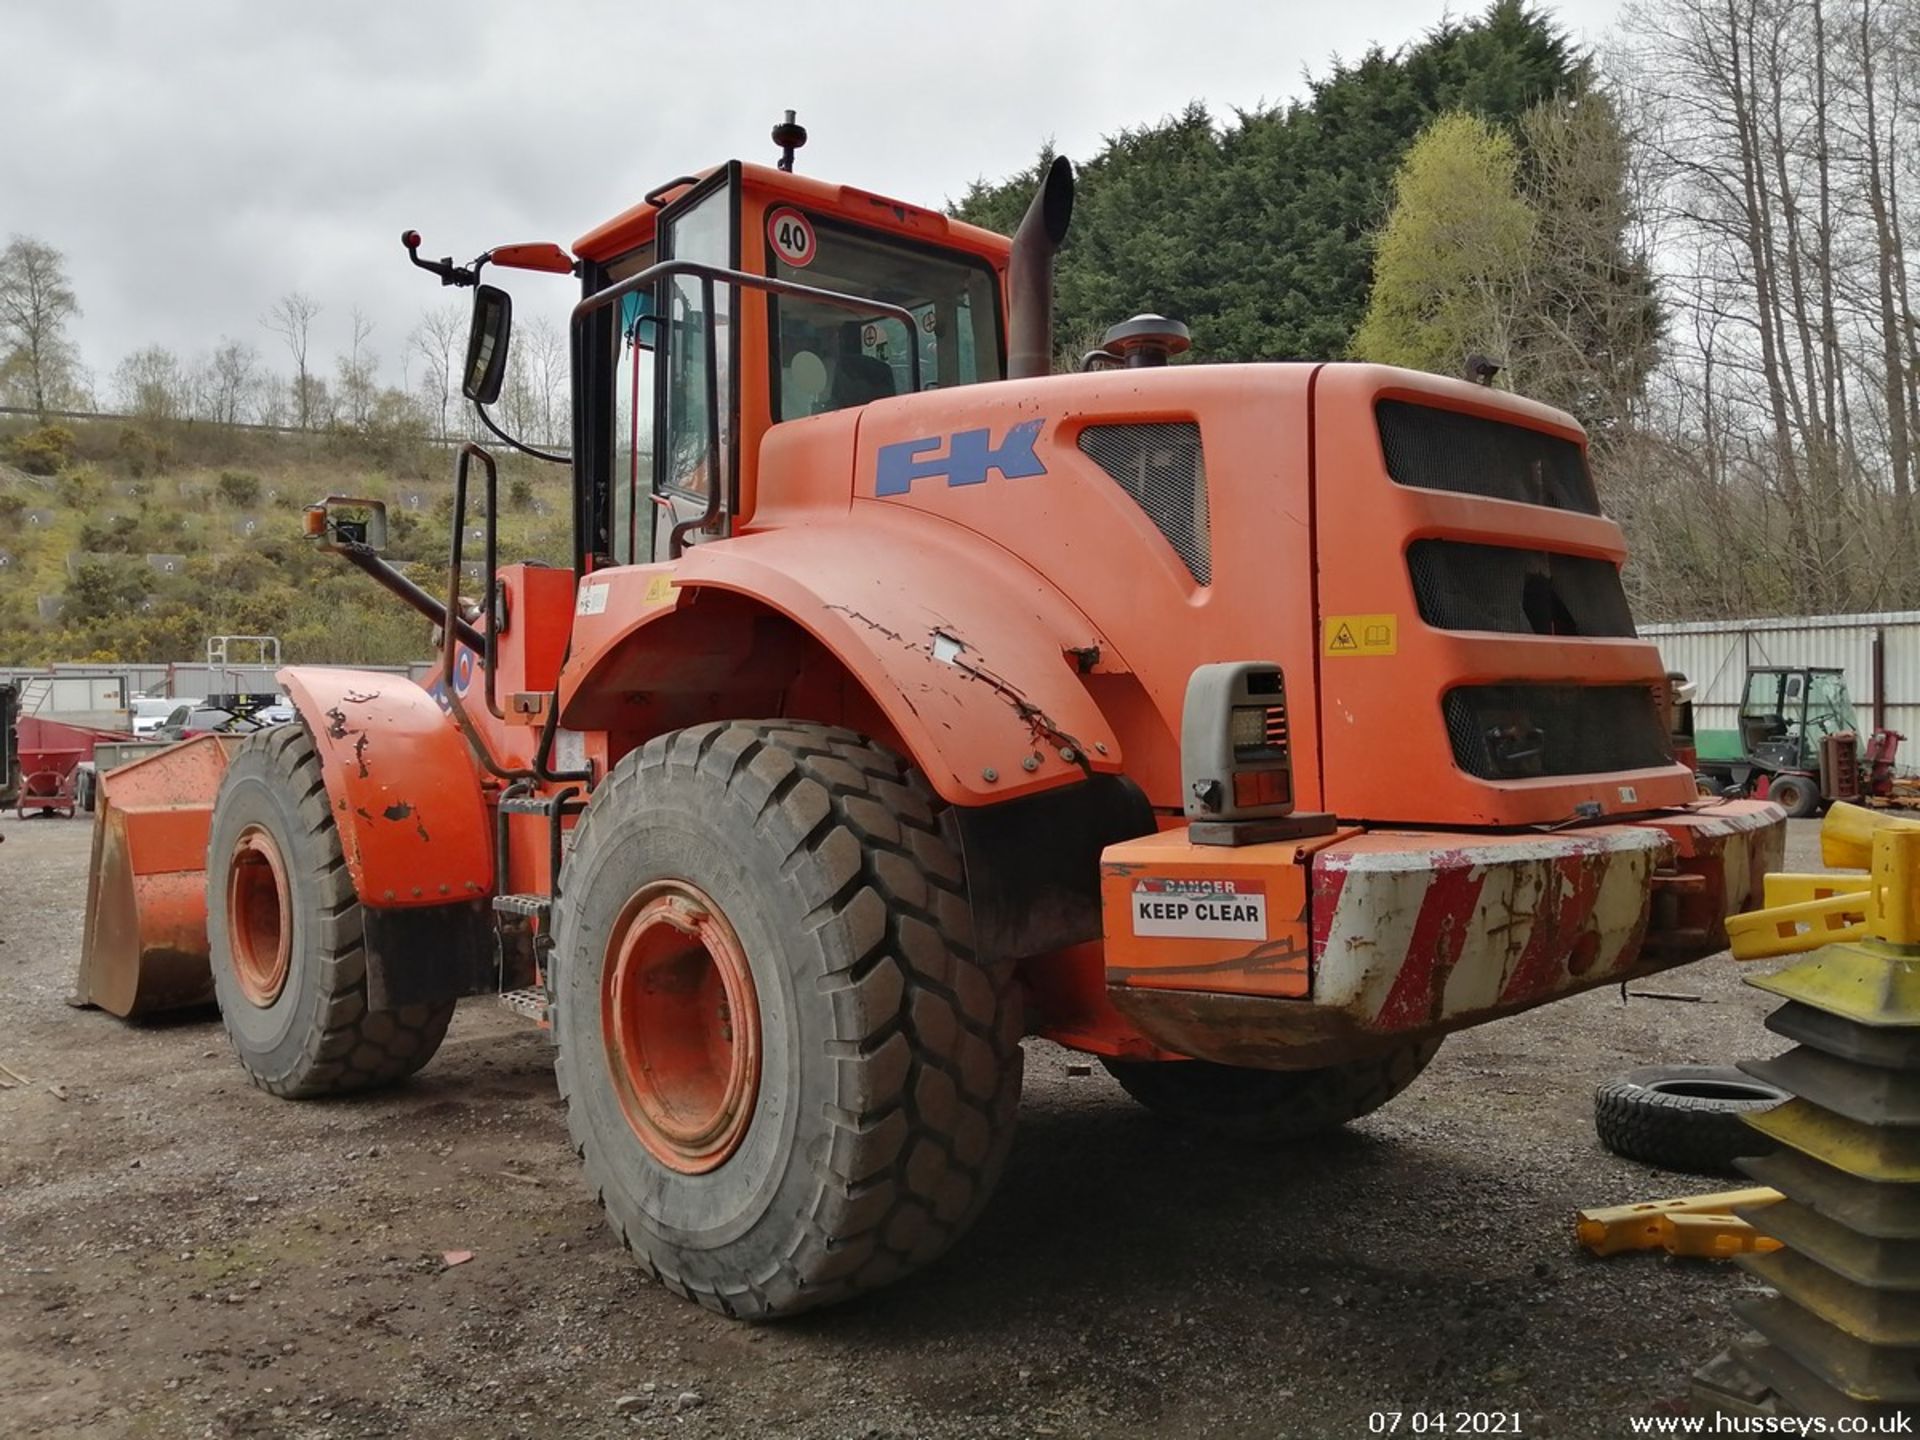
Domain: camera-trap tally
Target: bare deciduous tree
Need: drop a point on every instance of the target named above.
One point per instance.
(227, 382)
(437, 340)
(1779, 143)
(36, 302)
(356, 381)
(152, 384)
(547, 380)
(291, 318)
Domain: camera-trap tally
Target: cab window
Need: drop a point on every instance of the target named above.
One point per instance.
(703, 232)
(633, 348)
(828, 358)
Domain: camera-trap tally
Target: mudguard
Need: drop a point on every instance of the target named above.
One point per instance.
(974, 659)
(403, 786)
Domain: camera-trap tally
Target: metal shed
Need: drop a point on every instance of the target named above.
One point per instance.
(1880, 653)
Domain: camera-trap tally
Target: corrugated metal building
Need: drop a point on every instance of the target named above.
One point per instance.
(1880, 653)
(97, 694)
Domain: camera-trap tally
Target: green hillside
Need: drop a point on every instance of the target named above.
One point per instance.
(134, 542)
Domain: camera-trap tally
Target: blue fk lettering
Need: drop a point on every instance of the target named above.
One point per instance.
(968, 459)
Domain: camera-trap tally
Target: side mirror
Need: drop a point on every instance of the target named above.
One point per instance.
(487, 344)
(342, 520)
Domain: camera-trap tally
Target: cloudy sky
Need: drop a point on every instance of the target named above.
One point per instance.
(195, 159)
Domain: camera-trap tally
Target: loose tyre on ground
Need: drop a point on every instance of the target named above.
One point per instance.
(788, 1076)
(1274, 1105)
(284, 926)
(1683, 1117)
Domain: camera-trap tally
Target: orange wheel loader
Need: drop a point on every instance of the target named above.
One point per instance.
(1249, 727)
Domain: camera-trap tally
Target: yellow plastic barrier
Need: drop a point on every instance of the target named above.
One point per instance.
(1805, 912)
(1822, 914)
(1846, 835)
(1703, 1226)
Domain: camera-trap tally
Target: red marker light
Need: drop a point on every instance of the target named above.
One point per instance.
(410, 239)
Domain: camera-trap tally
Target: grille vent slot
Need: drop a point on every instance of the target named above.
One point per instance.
(1460, 586)
(1434, 449)
(1163, 468)
(1513, 732)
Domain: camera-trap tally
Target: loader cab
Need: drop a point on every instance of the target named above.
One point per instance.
(678, 383)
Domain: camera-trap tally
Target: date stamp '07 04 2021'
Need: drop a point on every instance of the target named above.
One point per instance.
(1390, 1420)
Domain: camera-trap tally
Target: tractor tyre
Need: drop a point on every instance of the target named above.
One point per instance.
(1270, 1105)
(1684, 1117)
(1798, 795)
(788, 1076)
(285, 930)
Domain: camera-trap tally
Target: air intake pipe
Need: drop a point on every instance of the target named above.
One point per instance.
(1030, 274)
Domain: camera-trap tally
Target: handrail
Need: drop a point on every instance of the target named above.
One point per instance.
(490, 635)
(708, 276)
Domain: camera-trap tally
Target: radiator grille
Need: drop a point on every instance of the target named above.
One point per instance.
(1162, 467)
(1459, 586)
(1434, 449)
(1510, 732)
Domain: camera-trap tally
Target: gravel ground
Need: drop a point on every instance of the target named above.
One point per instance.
(182, 1255)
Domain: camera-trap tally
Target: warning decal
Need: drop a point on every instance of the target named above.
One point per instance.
(1360, 635)
(659, 590)
(593, 600)
(1200, 909)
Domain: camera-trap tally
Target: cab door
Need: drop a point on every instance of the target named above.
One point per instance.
(695, 319)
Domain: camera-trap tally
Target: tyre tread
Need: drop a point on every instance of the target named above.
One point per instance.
(898, 1183)
(354, 1047)
(1275, 1106)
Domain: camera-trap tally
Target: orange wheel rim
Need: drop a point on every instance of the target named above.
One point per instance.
(681, 1024)
(259, 916)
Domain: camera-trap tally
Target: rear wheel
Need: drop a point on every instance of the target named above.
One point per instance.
(284, 927)
(787, 1075)
(1798, 795)
(1249, 1104)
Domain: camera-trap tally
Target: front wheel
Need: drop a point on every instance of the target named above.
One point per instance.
(287, 936)
(788, 1076)
(1273, 1105)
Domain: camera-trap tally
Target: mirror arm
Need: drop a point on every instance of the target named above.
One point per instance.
(551, 457)
(367, 559)
(449, 273)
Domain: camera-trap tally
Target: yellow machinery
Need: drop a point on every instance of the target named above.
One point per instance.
(1841, 1330)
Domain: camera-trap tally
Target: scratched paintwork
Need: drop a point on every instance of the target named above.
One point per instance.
(1407, 931)
(1431, 928)
(402, 786)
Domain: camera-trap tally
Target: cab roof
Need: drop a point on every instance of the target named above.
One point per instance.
(635, 226)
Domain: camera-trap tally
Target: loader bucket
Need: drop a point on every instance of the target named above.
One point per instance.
(145, 947)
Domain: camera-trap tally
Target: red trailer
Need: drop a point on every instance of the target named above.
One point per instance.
(48, 752)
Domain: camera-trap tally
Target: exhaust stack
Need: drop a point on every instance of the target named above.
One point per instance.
(1030, 274)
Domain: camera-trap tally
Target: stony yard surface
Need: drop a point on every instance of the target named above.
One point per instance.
(182, 1255)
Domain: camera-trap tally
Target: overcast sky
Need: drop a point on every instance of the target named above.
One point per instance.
(194, 159)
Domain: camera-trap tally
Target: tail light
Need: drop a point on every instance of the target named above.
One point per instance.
(1236, 756)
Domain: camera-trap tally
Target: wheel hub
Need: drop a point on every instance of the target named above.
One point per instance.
(259, 916)
(681, 1026)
